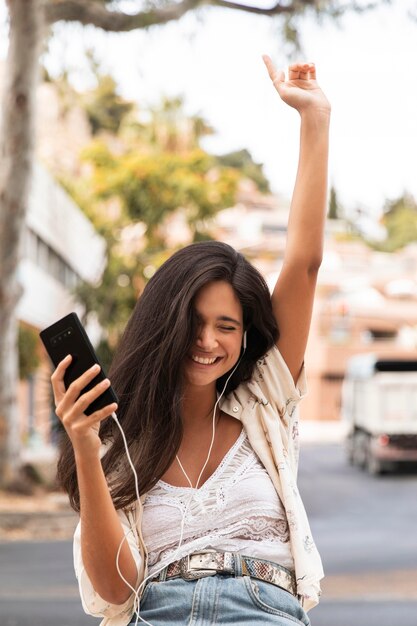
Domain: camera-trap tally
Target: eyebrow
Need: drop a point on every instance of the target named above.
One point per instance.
(224, 318)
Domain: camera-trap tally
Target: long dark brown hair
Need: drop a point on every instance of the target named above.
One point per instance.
(146, 371)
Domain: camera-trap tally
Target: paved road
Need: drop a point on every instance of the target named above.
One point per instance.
(364, 527)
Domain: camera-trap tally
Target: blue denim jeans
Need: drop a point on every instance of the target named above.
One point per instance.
(219, 600)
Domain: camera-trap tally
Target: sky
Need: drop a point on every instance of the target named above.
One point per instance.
(366, 65)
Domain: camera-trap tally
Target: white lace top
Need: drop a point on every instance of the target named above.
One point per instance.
(236, 509)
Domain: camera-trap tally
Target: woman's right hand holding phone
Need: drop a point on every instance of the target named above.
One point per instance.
(82, 429)
(100, 522)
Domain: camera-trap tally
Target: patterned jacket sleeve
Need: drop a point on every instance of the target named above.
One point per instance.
(273, 386)
(276, 382)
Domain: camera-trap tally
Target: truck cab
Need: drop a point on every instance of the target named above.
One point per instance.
(379, 406)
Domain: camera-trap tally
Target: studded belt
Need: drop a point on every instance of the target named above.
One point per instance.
(211, 562)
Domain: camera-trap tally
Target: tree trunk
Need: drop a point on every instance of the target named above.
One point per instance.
(16, 152)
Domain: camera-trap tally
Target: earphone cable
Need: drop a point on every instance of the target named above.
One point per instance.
(172, 558)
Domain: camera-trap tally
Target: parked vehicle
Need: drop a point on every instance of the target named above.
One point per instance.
(379, 404)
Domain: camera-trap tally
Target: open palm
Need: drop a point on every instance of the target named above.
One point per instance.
(301, 91)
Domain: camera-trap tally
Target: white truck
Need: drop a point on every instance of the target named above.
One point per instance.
(379, 406)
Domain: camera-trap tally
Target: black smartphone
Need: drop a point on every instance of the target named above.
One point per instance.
(67, 336)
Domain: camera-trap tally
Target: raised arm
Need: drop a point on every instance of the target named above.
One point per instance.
(293, 295)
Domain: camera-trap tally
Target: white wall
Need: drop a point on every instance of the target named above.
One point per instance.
(57, 221)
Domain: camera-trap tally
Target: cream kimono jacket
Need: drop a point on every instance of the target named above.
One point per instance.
(266, 406)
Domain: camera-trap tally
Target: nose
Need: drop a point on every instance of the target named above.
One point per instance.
(206, 338)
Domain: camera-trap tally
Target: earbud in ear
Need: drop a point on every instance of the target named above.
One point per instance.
(244, 340)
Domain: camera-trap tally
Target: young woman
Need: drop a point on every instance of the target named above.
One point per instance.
(209, 372)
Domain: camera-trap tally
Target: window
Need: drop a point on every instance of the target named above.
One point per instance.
(382, 334)
(50, 261)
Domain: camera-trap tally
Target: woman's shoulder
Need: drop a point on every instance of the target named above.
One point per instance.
(270, 383)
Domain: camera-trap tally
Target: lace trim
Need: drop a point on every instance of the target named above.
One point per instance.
(268, 530)
(217, 472)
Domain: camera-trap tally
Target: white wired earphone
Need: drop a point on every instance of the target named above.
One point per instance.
(171, 558)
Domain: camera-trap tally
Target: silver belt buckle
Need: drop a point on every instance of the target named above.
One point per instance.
(188, 572)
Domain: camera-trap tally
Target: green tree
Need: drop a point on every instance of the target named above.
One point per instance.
(105, 108)
(28, 342)
(172, 130)
(242, 160)
(334, 206)
(400, 221)
(150, 186)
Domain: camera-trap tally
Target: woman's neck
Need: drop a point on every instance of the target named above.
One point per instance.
(198, 406)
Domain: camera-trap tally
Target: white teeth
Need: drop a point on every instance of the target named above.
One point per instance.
(199, 359)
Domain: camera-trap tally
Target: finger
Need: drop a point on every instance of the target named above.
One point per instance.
(100, 415)
(279, 80)
(76, 406)
(87, 398)
(76, 387)
(277, 76)
(299, 66)
(312, 71)
(307, 71)
(81, 382)
(293, 73)
(273, 73)
(269, 66)
(95, 418)
(298, 70)
(81, 403)
(301, 71)
(57, 379)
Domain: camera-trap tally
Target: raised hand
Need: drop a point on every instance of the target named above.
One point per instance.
(301, 91)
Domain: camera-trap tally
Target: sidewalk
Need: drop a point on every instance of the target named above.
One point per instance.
(43, 516)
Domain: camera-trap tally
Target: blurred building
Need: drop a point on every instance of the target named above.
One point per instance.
(60, 247)
(366, 301)
(256, 226)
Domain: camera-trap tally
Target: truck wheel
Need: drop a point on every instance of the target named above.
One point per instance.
(350, 454)
(374, 466)
(359, 451)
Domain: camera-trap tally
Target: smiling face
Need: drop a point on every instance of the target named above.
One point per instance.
(218, 342)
